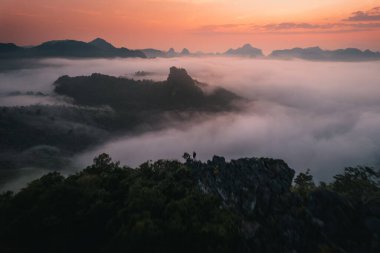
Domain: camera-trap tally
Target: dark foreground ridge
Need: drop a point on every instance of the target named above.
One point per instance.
(245, 205)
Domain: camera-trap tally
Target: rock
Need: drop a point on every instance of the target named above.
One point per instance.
(179, 76)
(246, 184)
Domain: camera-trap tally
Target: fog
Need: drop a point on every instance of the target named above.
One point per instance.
(318, 115)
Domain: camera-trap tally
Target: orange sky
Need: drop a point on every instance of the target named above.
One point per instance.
(209, 25)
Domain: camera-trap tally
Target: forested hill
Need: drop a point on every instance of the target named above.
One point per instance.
(178, 92)
(245, 205)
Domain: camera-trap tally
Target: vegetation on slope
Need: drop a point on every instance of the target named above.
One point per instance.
(169, 206)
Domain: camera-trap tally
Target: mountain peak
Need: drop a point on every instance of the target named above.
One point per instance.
(171, 53)
(185, 51)
(247, 46)
(245, 50)
(101, 43)
(179, 76)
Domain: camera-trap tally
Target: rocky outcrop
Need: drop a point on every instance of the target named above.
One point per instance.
(179, 76)
(248, 186)
(275, 218)
(258, 191)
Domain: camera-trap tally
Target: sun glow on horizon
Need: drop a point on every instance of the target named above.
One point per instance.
(208, 25)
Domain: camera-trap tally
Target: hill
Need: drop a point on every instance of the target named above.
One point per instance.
(69, 48)
(178, 92)
(245, 205)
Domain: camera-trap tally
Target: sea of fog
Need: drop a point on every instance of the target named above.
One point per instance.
(319, 115)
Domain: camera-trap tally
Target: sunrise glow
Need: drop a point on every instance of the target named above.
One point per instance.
(198, 25)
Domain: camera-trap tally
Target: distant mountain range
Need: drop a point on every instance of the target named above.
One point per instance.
(68, 48)
(154, 53)
(317, 54)
(99, 48)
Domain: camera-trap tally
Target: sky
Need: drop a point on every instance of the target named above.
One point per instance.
(208, 25)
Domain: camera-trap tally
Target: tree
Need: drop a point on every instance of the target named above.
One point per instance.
(304, 183)
(186, 156)
(359, 183)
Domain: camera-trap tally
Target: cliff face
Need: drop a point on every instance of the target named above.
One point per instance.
(258, 191)
(275, 218)
(249, 186)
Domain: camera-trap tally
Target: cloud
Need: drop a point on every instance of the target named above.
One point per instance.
(311, 114)
(216, 27)
(318, 115)
(365, 25)
(221, 28)
(289, 25)
(371, 15)
(286, 28)
(359, 21)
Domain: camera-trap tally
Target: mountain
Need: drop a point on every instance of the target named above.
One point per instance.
(185, 52)
(179, 92)
(100, 48)
(302, 53)
(69, 48)
(153, 53)
(247, 51)
(9, 48)
(171, 53)
(317, 54)
(102, 44)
